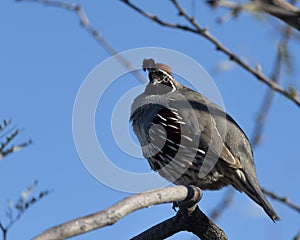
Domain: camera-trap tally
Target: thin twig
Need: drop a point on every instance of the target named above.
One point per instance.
(267, 102)
(85, 22)
(225, 202)
(8, 134)
(4, 231)
(234, 57)
(17, 210)
(297, 237)
(197, 29)
(284, 200)
(282, 10)
(265, 107)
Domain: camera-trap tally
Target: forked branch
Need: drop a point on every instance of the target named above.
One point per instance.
(189, 218)
(202, 31)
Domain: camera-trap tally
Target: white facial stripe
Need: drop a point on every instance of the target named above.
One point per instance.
(166, 73)
(169, 76)
(166, 78)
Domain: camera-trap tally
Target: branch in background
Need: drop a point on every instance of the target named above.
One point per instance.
(197, 29)
(7, 135)
(251, 7)
(234, 57)
(282, 10)
(225, 202)
(17, 209)
(130, 204)
(85, 22)
(204, 32)
(284, 200)
(235, 8)
(275, 78)
(265, 107)
(297, 237)
(267, 102)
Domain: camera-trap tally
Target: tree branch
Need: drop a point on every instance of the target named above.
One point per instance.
(282, 10)
(142, 200)
(197, 223)
(197, 29)
(284, 200)
(297, 237)
(93, 221)
(85, 22)
(223, 205)
(267, 102)
(7, 135)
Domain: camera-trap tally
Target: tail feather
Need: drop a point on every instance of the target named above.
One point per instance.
(253, 190)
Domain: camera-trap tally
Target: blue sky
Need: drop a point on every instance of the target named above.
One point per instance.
(45, 57)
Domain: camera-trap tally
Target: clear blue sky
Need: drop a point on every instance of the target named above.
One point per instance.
(45, 57)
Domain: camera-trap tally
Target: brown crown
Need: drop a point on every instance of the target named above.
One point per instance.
(164, 67)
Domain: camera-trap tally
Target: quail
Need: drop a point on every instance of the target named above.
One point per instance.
(190, 140)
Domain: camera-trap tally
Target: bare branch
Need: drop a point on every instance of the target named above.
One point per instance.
(17, 209)
(119, 210)
(267, 102)
(282, 10)
(284, 200)
(297, 237)
(124, 207)
(112, 214)
(85, 22)
(197, 29)
(9, 133)
(223, 205)
(264, 109)
(196, 222)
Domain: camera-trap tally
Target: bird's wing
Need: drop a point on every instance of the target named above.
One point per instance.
(210, 126)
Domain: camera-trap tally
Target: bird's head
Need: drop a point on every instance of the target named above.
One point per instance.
(161, 79)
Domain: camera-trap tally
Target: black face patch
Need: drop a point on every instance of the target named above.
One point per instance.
(160, 82)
